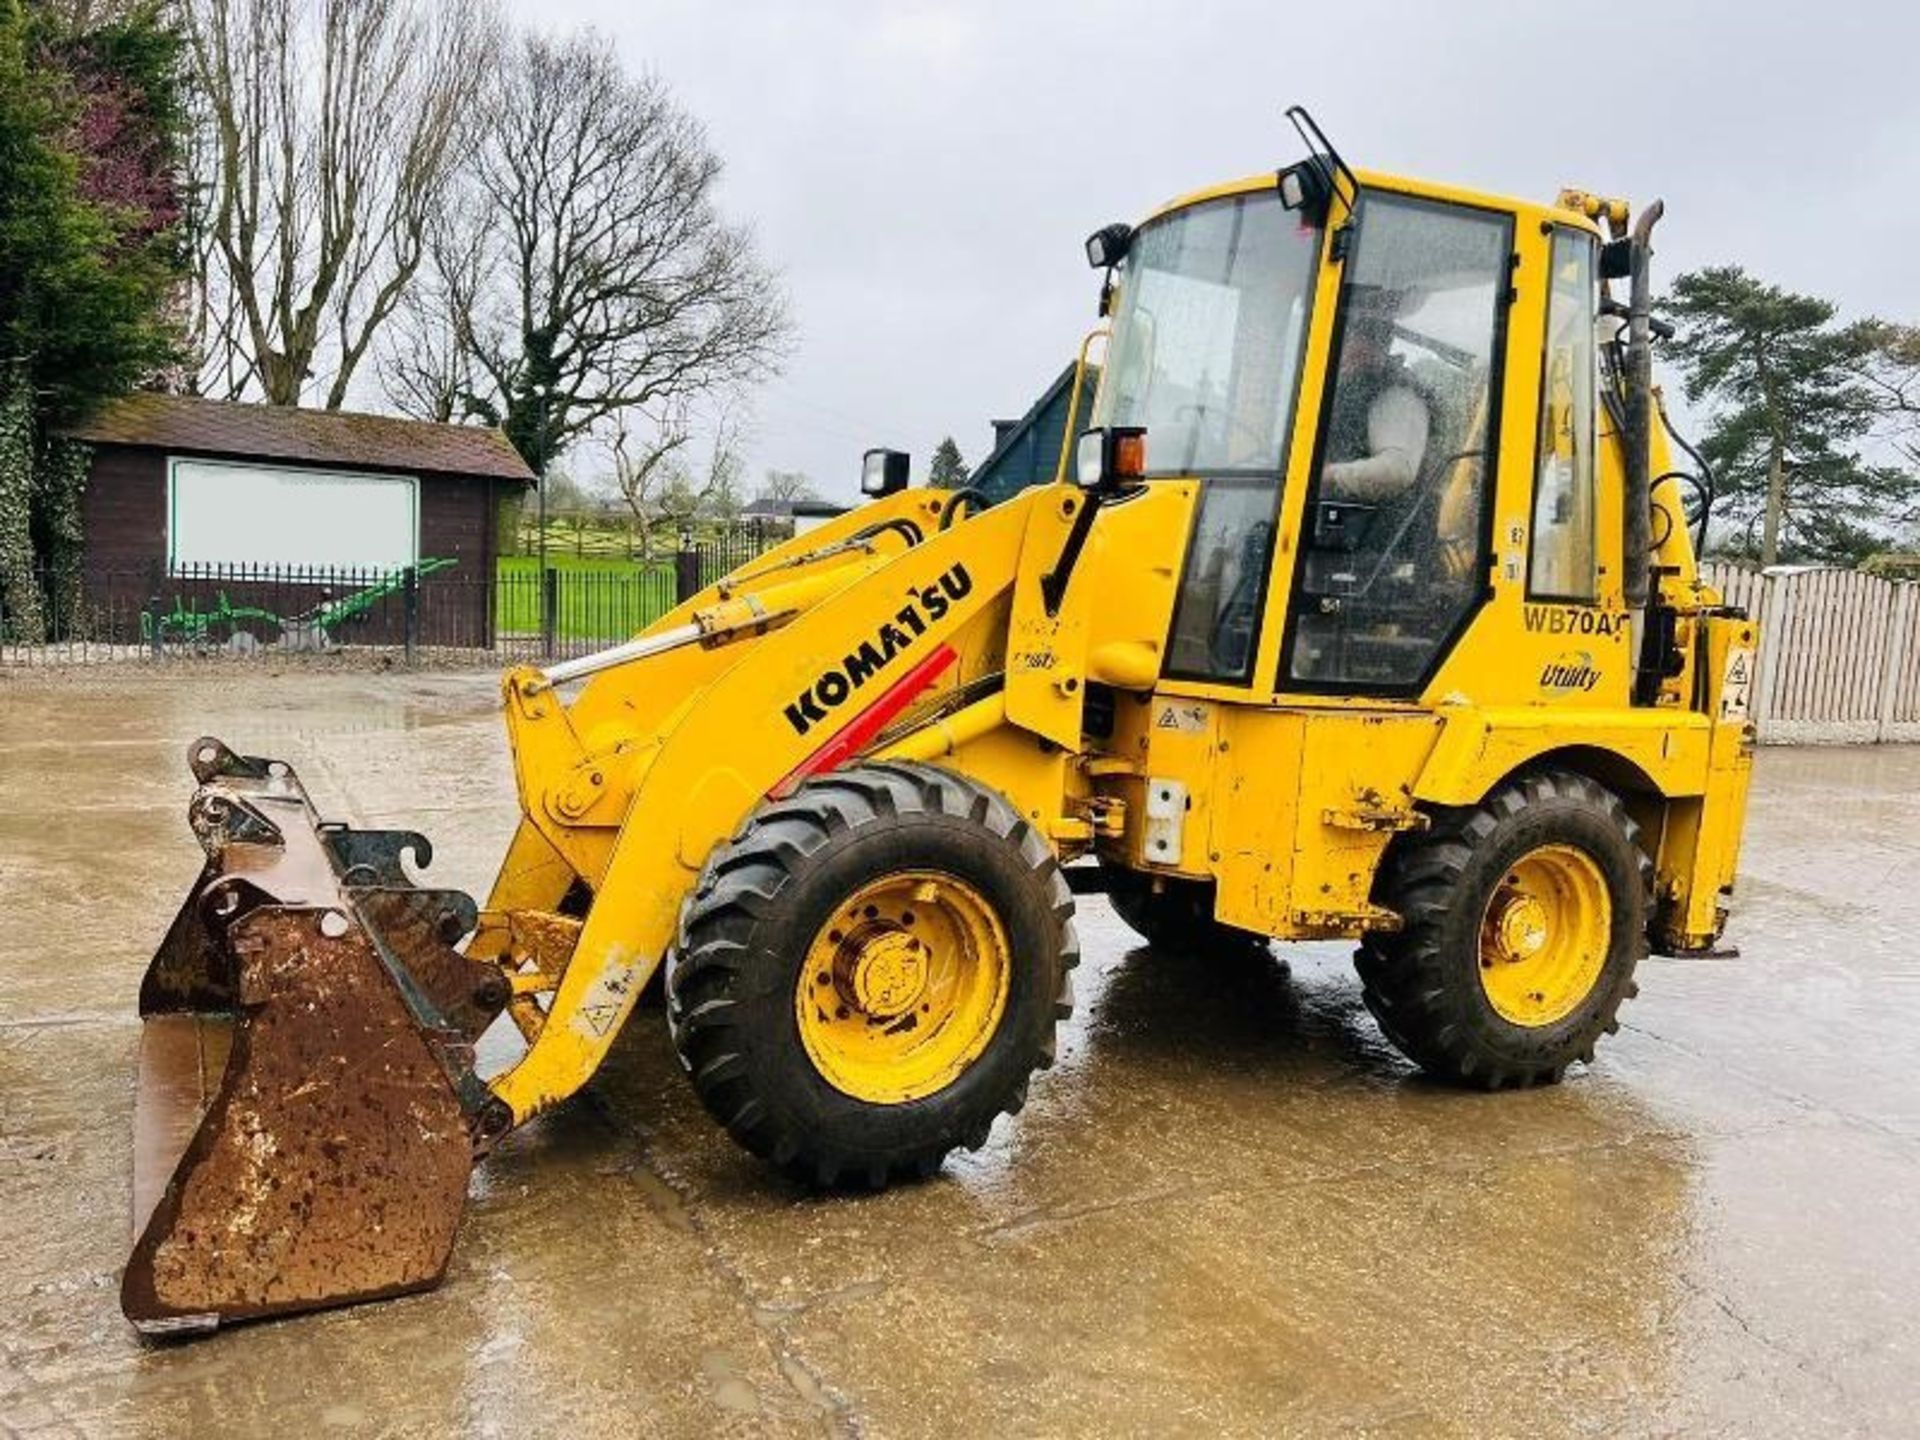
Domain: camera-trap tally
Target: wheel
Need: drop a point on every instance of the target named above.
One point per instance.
(1523, 920)
(1176, 916)
(869, 972)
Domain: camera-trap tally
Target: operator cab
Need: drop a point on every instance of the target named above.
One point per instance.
(1329, 360)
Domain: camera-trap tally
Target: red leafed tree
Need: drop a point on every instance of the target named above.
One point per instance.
(91, 273)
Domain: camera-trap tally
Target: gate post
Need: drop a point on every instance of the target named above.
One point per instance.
(1901, 636)
(686, 570)
(549, 609)
(1776, 615)
(410, 608)
(156, 576)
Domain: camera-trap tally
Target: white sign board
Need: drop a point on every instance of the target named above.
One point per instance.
(223, 513)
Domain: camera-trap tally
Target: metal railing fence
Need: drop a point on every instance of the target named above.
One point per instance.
(437, 609)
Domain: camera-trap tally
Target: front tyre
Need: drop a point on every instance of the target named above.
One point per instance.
(869, 972)
(1523, 920)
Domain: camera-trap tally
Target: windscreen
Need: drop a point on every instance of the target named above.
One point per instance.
(1207, 333)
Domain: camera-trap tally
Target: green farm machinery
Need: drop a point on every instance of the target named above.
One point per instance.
(223, 624)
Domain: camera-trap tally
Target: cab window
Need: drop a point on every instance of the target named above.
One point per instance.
(1207, 339)
(1561, 565)
(1207, 335)
(1392, 563)
(1216, 621)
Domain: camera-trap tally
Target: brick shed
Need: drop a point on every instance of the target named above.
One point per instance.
(181, 488)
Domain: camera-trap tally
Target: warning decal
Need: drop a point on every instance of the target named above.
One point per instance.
(1736, 684)
(1184, 716)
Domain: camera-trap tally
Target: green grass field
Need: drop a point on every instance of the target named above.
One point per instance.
(599, 599)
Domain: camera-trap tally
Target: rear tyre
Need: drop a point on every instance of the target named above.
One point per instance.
(1178, 916)
(1524, 918)
(869, 972)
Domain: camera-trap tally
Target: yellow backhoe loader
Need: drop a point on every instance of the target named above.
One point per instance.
(1364, 606)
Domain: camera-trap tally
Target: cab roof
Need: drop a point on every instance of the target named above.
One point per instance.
(1400, 184)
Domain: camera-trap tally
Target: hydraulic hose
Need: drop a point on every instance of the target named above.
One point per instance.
(972, 498)
(1709, 486)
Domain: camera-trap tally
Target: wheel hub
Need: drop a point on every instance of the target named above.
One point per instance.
(1521, 932)
(1545, 935)
(885, 975)
(903, 987)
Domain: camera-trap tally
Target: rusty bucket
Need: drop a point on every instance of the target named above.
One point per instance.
(307, 1111)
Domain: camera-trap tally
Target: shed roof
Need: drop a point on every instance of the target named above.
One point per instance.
(309, 437)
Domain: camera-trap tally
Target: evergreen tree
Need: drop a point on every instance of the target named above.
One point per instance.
(948, 471)
(1790, 411)
(90, 259)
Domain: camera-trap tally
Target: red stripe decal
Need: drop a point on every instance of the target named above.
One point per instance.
(853, 736)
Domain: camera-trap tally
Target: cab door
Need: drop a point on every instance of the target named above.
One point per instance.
(1393, 563)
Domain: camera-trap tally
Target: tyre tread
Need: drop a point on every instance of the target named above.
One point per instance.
(742, 884)
(1405, 974)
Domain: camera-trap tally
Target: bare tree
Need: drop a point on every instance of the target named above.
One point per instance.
(786, 485)
(607, 281)
(722, 496)
(643, 470)
(426, 368)
(330, 130)
(1889, 366)
(215, 331)
(713, 489)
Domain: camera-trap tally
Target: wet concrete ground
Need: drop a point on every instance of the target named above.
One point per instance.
(1230, 1209)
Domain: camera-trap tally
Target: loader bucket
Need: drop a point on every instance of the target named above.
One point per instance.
(307, 1111)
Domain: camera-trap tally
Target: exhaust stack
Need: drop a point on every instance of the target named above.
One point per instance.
(1638, 531)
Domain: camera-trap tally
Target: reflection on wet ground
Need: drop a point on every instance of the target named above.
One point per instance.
(1231, 1207)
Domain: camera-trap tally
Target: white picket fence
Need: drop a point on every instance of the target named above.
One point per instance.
(1839, 654)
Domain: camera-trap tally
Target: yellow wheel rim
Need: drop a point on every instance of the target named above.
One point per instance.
(1545, 935)
(903, 987)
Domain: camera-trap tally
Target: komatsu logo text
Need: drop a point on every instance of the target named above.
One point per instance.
(834, 687)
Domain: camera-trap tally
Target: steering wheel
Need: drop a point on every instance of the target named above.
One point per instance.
(1232, 633)
(1427, 497)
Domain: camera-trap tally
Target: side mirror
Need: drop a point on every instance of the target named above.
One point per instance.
(883, 472)
(1110, 458)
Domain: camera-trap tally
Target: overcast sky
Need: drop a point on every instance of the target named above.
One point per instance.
(924, 174)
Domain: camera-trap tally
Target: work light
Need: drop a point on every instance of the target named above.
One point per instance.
(1108, 245)
(882, 472)
(1306, 189)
